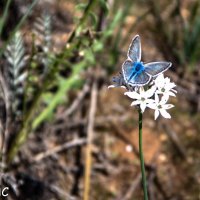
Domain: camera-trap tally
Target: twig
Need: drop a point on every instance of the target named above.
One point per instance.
(74, 143)
(151, 178)
(78, 173)
(58, 192)
(82, 20)
(99, 122)
(160, 187)
(9, 181)
(175, 140)
(90, 132)
(77, 102)
(8, 120)
(132, 187)
(13, 183)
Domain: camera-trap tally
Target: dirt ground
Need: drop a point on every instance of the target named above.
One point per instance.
(171, 147)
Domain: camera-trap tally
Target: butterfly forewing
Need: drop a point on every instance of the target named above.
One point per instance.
(127, 70)
(134, 51)
(140, 79)
(156, 68)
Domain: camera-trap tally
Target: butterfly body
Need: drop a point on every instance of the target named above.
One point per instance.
(137, 69)
(134, 72)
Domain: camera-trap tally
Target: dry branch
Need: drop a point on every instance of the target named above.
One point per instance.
(65, 146)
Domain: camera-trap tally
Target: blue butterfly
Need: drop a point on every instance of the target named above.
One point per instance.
(135, 72)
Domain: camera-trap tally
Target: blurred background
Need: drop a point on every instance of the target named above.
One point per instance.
(58, 58)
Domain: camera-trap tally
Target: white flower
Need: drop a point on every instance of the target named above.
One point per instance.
(164, 86)
(160, 107)
(113, 86)
(142, 98)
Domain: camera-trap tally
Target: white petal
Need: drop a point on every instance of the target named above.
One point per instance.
(136, 89)
(143, 106)
(149, 101)
(164, 99)
(142, 91)
(158, 91)
(170, 85)
(111, 86)
(165, 114)
(152, 82)
(167, 80)
(160, 81)
(150, 92)
(167, 106)
(160, 78)
(156, 114)
(156, 98)
(135, 102)
(133, 95)
(173, 90)
(152, 106)
(171, 94)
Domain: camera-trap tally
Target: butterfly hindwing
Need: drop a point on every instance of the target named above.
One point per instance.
(118, 80)
(127, 69)
(140, 79)
(134, 51)
(156, 68)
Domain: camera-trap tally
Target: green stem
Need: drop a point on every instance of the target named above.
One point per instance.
(20, 23)
(5, 15)
(141, 157)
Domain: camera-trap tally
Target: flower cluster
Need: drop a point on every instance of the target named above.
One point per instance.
(155, 97)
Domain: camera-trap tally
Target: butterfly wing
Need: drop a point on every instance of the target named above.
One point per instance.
(156, 68)
(127, 70)
(134, 51)
(140, 79)
(118, 80)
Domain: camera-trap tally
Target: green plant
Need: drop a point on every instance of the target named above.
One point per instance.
(84, 39)
(180, 33)
(15, 55)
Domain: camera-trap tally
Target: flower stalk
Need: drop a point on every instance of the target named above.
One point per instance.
(147, 86)
(144, 182)
(90, 135)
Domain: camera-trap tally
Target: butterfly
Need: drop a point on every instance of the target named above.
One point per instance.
(135, 72)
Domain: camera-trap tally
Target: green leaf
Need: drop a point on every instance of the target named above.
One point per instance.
(64, 86)
(97, 46)
(93, 18)
(89, 55)
(33, 4)
(113, 24)
(4, 16)
(104, 5)
(81, 6)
